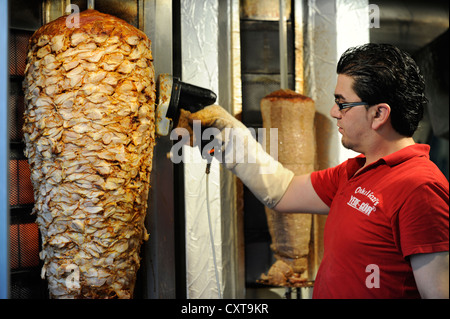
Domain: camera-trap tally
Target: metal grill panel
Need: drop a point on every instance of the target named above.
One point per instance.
(24, 241)
(25, 281)
(18, 43)
(16, 109)
(21, 189)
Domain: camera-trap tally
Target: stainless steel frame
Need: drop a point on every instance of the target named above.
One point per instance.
(158, 266)
(4, 150)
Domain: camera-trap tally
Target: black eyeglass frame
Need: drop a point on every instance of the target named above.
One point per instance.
(347, 105)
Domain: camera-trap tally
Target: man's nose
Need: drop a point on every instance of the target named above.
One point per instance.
(335, 112)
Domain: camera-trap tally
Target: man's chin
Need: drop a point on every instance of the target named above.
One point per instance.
(347, 145)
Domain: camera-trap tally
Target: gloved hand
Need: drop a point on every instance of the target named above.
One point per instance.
(184, 127)
(244, 156)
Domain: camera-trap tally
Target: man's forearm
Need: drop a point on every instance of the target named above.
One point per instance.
(431, 272)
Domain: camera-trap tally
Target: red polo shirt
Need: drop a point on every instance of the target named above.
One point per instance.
(393, 208)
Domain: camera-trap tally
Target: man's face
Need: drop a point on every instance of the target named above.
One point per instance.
(353, 123)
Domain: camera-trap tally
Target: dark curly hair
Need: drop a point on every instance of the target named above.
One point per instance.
(383, 73)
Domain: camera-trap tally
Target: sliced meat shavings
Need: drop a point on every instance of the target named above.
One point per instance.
(89, 137)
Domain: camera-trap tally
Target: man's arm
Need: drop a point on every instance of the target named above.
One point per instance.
(431, 272)
(300, 197)
(273, 184)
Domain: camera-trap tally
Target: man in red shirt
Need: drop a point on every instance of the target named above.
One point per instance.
(386, 234)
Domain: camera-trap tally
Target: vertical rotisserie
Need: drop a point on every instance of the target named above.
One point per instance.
(89, 134)
(293, 115)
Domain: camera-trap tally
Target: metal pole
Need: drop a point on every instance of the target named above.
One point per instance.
(283, 47)
(4, 150)
(159, 256)
(91, 4)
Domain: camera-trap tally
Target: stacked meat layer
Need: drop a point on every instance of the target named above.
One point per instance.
(89, 134)
(293, 116)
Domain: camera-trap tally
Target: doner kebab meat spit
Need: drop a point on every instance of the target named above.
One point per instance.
(89, 134)
(293, 115)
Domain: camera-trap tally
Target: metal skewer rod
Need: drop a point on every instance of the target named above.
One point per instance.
(91, 4)
(283, 46)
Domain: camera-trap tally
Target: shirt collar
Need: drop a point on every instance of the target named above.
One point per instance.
(354, 164)
(407, 153)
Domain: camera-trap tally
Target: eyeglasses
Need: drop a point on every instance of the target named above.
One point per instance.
(348, 104)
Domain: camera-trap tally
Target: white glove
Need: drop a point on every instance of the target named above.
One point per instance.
(243, 155)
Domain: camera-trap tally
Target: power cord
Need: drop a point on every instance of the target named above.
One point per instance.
(208, 170)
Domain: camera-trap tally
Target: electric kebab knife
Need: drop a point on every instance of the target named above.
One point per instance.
(173, 95)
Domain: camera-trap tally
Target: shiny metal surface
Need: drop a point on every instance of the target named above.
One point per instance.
(163, 91)
(157, 24)
(283, 47)
(4, 150)
(267, 10)
(53, 9)
(91, 4)
(158, 264)
(410, 25)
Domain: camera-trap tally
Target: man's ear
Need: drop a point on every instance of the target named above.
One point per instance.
(380, 115)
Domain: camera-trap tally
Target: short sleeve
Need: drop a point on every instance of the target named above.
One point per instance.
(326, 182)
(423, 221)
